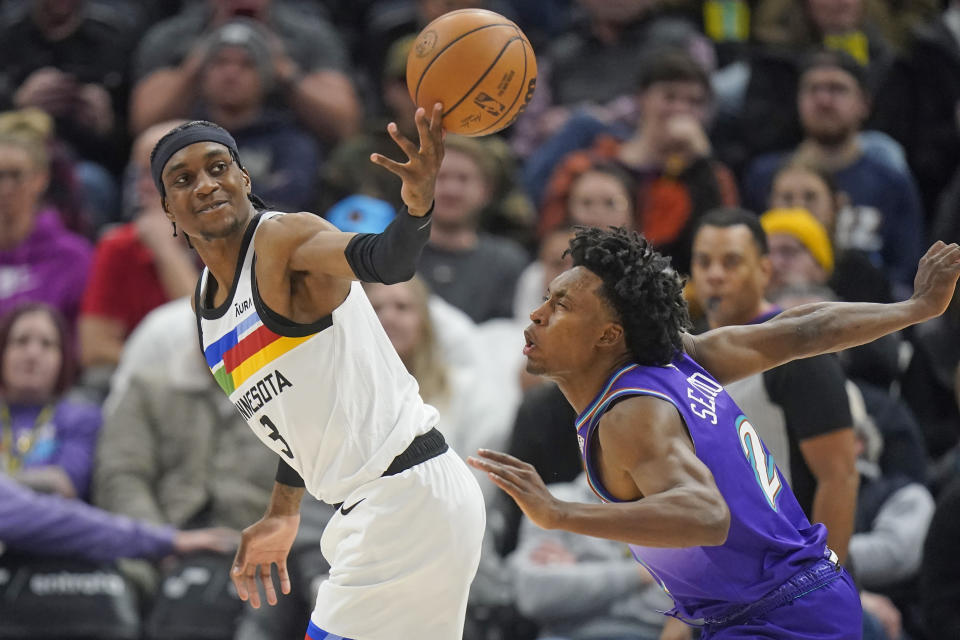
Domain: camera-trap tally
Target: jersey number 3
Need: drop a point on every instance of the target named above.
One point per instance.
(275, 436)
(765, 471)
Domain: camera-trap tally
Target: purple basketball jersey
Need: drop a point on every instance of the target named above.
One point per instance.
(770, 538)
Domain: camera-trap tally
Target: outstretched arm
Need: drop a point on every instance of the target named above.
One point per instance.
(308, 244)
(735, 352)
(644, 452)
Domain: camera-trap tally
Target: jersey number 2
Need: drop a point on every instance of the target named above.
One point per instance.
(765, 471)
(275, 436)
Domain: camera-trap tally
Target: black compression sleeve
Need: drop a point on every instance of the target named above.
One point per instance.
(391, 256)
(287, 475)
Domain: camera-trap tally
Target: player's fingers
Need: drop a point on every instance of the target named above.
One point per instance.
(504, 483)
(436, 123)
(284, 577)
(402, 141)
(390, 165)
(503, 458)
(250, 584)
(267, 581)
(238, 582)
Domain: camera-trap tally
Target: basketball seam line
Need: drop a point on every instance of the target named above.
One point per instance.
(447, 46)
(484, 74)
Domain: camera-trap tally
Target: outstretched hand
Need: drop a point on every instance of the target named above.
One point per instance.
(263, 544)
(522, 482)
(936, 279)
(419, 172)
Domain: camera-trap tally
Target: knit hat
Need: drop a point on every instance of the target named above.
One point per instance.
(802, 225)
(246, 34)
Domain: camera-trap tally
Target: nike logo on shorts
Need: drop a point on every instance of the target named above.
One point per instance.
(346, 510)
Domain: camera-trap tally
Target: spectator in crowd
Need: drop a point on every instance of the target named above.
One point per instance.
(917, 103)
(47, 440)
(474, 271)
(797, 185)
(669, 156)
(602, 196)
(136, 266)
(940, 570)
(37, 523)
(799, 249)
(237, 76)
(580, 70)
(884, 218)
(39, 259)
(308, 58)
(928, 388)
(69, 59)
(580, 587)
(800, 409)
(348, 170)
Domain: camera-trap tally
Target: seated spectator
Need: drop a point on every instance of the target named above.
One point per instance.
(48, 440)
(136, 266)
(940, 570)
(580, 587)
(236, 78)
(797, 185)
(884, 218)
(917, 102)
(42, 524)
(69, 59)
(308, 58)
(800, 249)
(581, 70)
(669, 156)
(39, 259)
(602, 196)
(474, 271)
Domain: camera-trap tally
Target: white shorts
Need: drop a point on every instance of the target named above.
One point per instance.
(402, 559)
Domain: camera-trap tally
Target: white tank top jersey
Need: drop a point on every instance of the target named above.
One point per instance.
(332, 398)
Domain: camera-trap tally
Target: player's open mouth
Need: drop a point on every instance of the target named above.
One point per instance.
(211, 207)
(529, 345)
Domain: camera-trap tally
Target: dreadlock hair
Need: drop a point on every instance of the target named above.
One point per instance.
(640, 286)
(258, 204)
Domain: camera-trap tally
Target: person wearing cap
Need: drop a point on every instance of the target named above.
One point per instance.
(235, 83)
(309, 59)
(884, 217)
(800, 409)
(800, 250)
(291, 338)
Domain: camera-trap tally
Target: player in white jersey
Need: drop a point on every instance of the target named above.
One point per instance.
(290, 337)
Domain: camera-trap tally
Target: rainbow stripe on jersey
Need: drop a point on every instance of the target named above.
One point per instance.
(244, 350)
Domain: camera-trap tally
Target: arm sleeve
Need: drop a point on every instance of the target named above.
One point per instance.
(390, 257)
(892, 549)
(48, 524)
(287, 475)
(813, 395)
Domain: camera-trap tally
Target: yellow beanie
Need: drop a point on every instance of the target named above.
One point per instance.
(802, 225)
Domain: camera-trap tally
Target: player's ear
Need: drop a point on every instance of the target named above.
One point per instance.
(248, 184)
(612, 335)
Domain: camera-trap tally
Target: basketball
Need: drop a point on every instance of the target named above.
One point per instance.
(478, 64)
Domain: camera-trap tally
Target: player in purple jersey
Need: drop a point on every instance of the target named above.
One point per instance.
(685, 480)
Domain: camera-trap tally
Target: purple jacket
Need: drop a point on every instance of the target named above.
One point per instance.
(68, 440)
(50, 525)
(50, 265)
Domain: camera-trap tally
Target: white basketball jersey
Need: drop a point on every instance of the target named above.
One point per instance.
(332, 398)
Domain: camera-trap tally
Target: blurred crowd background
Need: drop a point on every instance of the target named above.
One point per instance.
(781, 151)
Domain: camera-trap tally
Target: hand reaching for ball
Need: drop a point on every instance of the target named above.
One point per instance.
(419, 172)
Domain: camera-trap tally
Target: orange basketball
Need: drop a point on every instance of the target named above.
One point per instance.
(478, 64)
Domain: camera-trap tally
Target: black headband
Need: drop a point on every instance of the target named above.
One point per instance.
(183, 138)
